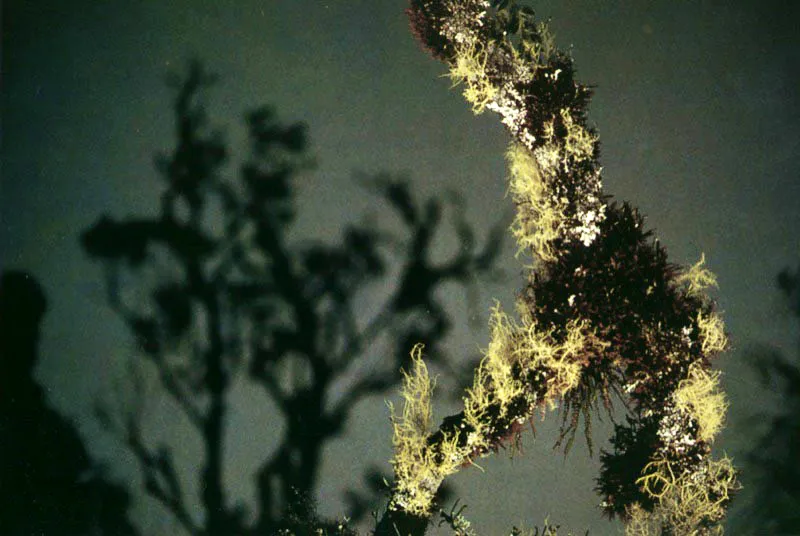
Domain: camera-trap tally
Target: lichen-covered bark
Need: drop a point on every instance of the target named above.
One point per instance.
(603, 311)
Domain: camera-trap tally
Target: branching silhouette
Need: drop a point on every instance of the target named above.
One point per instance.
(211, 286)
(49, 484)
(773, 462)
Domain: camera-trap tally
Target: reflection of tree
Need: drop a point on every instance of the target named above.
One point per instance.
(774, 462)
(48, 483)
(230, 292)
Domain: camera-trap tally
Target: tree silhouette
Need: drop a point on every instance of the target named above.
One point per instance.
(211, 286)
(49, 484)
(773, 462)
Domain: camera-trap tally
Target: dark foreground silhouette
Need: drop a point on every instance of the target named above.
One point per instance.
(48, 484)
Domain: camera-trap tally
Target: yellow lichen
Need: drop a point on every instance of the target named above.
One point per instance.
(641, 522)
(700, 395)
(579, 143)
(701, 496)
(531, 55)
(419, 469)
(499, 359)
(691, 503)
(657, 478)
(525, 181)
(417, 392)
(538, 218)
(544, 50)
(469, 67)
(712, 333)
(410, 432)
(537, 349)
(697, 278)
(514, 350)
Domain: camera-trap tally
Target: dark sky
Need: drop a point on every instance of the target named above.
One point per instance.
(696, 105)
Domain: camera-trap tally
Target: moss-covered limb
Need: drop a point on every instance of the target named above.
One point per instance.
(524, 368)
(507, 63)
(679, 410)
(603, 313)
(636, 302)
(660, 457)
(418, 466)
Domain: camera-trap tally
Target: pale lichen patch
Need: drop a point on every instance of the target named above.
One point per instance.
(701, 396)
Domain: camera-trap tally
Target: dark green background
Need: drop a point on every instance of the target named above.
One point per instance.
(696, 104)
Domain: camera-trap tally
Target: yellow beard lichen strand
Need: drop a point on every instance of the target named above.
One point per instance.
(469, 67)
(697, 278)
(538, 217)
(417, 472)
(657, 478)
(641, 522)
(579, 143)
(701, 396)
(712, 333)
(700, 497)
(499, 358)
(513, 351)
(690, 503)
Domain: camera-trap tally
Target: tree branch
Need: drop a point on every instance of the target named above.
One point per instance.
(161, 481)
(179, 393)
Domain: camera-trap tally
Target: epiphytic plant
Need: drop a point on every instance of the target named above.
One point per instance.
(603, 311)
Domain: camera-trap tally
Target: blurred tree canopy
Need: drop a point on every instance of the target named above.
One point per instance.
(211, 287)
(773, 462)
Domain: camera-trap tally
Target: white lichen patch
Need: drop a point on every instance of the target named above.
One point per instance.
(589, 226)
(512, 114)
(673, 430)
